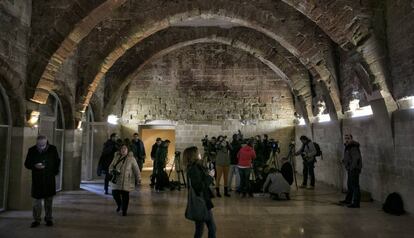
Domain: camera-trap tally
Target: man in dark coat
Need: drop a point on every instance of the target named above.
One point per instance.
(154, 150)
(139, 150)
(43, 160)
(161, 159)
(108, 152)
(353, 165)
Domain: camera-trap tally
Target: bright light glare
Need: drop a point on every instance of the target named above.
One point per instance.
(324, 118)
(406, 102)
(362, 111)
(113, 119)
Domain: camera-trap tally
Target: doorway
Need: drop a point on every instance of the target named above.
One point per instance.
(148, 136)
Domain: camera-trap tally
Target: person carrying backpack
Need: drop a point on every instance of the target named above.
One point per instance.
(308, 153)
(353, 165)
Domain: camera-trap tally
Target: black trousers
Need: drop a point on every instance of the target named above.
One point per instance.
(308, 170)
(106, 181)
(122, 199)
(354, 194)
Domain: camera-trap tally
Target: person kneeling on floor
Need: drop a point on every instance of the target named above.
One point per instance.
(276, 185)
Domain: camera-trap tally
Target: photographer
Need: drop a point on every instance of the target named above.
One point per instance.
(125, 176)
(308, 152)
(234, 171)
(222, 164)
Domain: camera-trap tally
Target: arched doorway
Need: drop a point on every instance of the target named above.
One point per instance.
(94, 136)
(5, 138)
(52, 125)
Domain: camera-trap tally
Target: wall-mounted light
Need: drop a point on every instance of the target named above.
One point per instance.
(33, 118)
(113, 119)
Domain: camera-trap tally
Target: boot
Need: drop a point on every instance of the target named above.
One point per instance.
(218, 192)
(226, 192)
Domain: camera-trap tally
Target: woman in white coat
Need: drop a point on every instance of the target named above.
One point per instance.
(125, 177)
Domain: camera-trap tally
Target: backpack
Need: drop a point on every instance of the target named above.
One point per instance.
(318, 149)
(394, 204)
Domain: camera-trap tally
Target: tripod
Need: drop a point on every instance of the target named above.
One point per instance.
(273, 160)
(290, 157)
(177, 166)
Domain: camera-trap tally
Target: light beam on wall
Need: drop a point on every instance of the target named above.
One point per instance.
(113, 119)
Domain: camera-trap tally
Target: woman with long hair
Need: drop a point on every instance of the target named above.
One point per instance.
(125, 177)
(200, 181)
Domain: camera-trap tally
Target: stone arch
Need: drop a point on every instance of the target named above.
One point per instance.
(299, 37)
(13, 86)
(51, 51)
(117, 91)
(254, 43)
(347, 24)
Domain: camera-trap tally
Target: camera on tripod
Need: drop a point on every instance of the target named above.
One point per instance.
(274, 145)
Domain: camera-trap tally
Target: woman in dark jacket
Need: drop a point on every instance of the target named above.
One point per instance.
(200, 181)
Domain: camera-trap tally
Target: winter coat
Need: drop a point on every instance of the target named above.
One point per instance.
(43, 180)
(308, 151)
(352, 157)
(200, 181)
(222, 156)
(138, 149)
(129, 175)
(154, 149)
(276, 184)
(108, 152)
(245, 156)
(235, 147)
(161, 157)
(259, 148)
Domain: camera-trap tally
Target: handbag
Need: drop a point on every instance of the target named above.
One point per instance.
(113, 174)
(196, 206)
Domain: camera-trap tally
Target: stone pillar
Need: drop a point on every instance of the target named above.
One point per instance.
(72, 160)
(20, 179)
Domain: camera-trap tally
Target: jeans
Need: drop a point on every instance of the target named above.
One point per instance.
(199, 227)
(234, 171)
(354, 194)
(308, 169)
(122, 199)
(245, 179)
(37, 209)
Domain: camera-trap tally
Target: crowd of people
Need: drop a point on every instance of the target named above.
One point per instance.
(247, 160)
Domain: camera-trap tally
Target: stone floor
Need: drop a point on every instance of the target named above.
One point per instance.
(89, 213)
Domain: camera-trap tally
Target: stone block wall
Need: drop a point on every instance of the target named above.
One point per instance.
(400, 34)
(388, 164)
(208, 82)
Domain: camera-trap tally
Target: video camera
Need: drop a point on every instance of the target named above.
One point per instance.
(274, 145)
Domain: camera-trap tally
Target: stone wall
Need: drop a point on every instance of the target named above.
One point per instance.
(400, 32)
(208, 82)
(388, 165)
